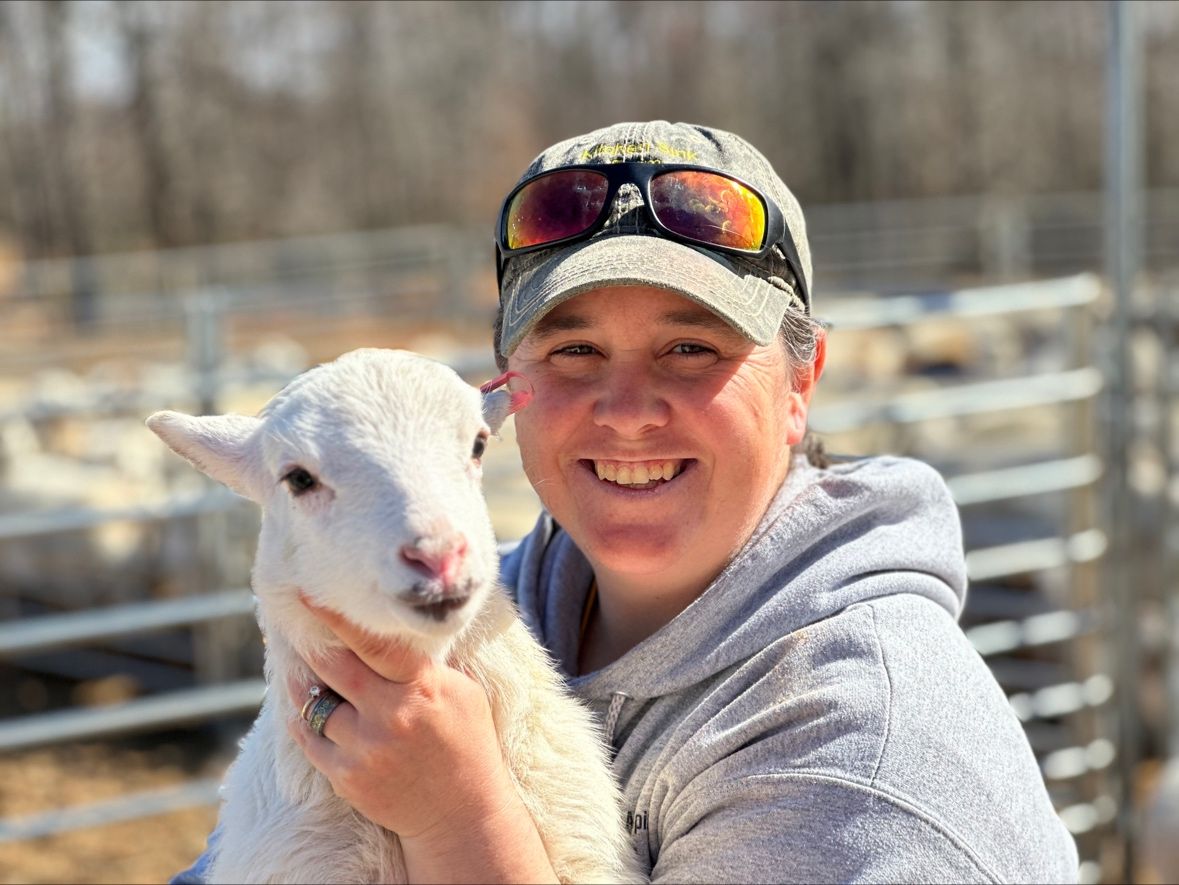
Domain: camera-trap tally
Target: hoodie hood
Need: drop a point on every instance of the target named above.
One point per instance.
(831, 538)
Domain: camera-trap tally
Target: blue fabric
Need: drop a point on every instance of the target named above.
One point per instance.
(198, 873)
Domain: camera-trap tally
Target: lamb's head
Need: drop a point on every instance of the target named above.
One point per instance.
(368, 473)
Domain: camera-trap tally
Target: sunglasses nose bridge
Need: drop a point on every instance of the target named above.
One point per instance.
(629, 211)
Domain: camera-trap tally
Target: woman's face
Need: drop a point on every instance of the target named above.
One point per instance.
(658, 434)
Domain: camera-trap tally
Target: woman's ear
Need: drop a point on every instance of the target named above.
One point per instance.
(803, 388)
(820, 355)
(808, 378)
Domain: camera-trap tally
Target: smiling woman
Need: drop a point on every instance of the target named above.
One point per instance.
(633, 376)
(770, 641)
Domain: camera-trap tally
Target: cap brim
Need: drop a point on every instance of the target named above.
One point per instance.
(536, 285)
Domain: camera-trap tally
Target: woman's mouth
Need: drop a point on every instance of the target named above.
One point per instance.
(637, 474)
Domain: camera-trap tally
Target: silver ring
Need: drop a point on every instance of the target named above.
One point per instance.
(313, 694)
(324, 706)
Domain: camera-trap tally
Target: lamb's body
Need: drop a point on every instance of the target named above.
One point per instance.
(378, 431)
(281, 822)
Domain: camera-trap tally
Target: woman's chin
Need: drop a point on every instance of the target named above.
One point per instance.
(639, 550)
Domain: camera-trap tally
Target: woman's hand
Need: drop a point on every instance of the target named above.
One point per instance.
(414, 750)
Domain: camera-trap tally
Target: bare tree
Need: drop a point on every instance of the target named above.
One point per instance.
(147, 120)
(60, 127)
(28, 179)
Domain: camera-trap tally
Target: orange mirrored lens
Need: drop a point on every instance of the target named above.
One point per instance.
(710, 208)
(554, 207)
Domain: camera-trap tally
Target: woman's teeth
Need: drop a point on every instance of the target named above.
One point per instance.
(637, 473)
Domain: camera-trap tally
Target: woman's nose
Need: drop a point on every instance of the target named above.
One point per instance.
(630, 402)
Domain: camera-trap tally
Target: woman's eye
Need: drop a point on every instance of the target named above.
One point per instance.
(574, 350)
(687, 347)
(480, 446)
(300, 481)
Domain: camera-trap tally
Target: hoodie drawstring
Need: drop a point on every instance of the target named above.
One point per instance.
(617, 699)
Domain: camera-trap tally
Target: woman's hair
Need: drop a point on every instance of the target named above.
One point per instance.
(799, 334)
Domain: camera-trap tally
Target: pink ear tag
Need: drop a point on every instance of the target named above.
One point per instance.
(519, 387)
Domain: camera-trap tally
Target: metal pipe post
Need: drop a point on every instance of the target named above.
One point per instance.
(1122, 240)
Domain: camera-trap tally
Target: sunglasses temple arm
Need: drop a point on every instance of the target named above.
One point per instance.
(790, 253)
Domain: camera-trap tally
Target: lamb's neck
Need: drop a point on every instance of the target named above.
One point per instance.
(299, 782)
(293, 635)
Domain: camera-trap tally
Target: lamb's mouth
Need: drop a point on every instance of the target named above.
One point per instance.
(637, 474)
(441, 609)
(432, 600)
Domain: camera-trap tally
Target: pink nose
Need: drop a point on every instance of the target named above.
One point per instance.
(438, 557)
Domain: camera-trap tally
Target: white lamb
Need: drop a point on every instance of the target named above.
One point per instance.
(367, 469)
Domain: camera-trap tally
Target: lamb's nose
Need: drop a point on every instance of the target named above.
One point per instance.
(438, 557)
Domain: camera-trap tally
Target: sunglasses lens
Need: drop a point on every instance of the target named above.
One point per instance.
(554, 207)
(709, 208)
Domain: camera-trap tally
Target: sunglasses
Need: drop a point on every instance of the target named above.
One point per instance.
(691, 204)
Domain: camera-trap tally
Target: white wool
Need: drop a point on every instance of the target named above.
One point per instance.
(389, 437)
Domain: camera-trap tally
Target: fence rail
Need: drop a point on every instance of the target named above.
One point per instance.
(169, 710)
(53, 632)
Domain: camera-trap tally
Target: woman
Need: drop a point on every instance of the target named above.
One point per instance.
(771, 642)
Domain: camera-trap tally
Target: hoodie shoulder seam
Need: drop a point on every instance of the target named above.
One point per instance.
(901, 803)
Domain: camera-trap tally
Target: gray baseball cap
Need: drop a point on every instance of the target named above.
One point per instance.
(752, 295)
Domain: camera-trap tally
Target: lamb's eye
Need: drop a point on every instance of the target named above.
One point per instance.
(300, 481)
(480, 446)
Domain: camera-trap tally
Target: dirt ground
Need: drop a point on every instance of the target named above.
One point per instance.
(148, 850)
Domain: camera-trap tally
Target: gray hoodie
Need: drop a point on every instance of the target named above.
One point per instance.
(816, 714)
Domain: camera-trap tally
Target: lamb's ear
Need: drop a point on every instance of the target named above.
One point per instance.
(504, 396)
(216, 445)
